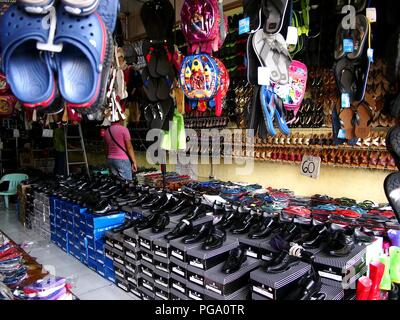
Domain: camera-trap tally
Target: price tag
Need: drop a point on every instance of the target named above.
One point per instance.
(371, 14)
(310, 167)
(244, 25)
(345, 100)
(292, 36)
(264, 76)
(16, 133)
(342, 134)
(370, 54)
(348, 45)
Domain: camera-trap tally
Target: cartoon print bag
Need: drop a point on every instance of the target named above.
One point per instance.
(7, 105)
(292, 93)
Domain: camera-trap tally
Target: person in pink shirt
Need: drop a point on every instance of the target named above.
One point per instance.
(120, 154)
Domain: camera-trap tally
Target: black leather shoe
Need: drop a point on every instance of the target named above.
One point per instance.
(199, 233)
(317, 235)
(308, 286)
(363, 237)
(182, 229)
(229, 218)
(156, 202)
(215, 239)
(127, 225)
(265, 229)
(282, 263)
(161, 223)
(147, 222)
(179, 207)
(171, 203)
(246, 223)
(197, 212)
(107, 209)
(341, 242)
(235, 260)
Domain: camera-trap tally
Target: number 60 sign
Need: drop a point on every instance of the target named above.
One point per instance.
(310, 166)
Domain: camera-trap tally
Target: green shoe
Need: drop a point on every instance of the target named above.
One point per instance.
(386, 283)
(395, 264)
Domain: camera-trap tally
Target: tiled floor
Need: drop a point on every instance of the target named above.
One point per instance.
(87, 284)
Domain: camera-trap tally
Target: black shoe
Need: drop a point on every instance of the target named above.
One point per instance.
(229, 217)
(308, 286)
(246, 223)
(127, 225)
(158, 201)
(340, 243)
(197, 212)
(394, 294)
(147, 222)
(182, 229)
(264, 229)
(291, 232)
(362, 237)
(171, 203)
(317, 235)
(107, 209)
(199, 233)
(215, 239)
(161, 223)
(282, 263)
(236, 258)
(183, 204)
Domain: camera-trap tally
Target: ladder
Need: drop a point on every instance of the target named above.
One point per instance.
(81, 149)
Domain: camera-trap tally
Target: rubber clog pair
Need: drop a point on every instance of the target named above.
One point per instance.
(82, 66)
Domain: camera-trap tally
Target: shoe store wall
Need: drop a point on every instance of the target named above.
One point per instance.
(359, 184)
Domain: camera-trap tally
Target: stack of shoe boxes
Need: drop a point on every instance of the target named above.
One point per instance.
(81, 234)
(40, 216)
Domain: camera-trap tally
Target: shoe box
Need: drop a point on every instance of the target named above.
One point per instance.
(147, 269)
(194, 291)
(179, 267)
(165, 274)
(146, 282)
(110, 274)
(330, 292)
(206, 259)
(252, 246)
(161, 248)
(276, 286)
(146, 294)
(118, 256)
(222, 284)
(135, 290)
(240, 294)
(162, 264)
(95, 222)
(342, 272)
(147, 236)
(132, 265)
(178, 283)
(178, 249)
(122, 283)
(119, 270)
(177, 295)
(146, 255)
(130, 239)
(132, 278)
(256, 297)
(115, 240)
(161, 292)
(195, 275)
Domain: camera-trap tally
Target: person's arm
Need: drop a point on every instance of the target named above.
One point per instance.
(131, 152)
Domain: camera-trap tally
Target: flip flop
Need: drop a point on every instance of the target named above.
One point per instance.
(28, 70)
(363, 120)
(252, 9)
(252, 62)
(152, 57)
(346, 116)
(164, 64)
(392, 191)
(262, 44)
(83, 62)
(275, 11)
(360, 36)
(80, 7)
(150, 85)
(163, 88)
(279, 116)
(267, 103)
(108, 10)
(345, 77)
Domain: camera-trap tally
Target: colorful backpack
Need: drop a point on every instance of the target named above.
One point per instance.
(293, 92)
(204, 25)
(224, 81)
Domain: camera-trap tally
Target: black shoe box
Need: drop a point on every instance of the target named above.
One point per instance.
(176, 295)
(331, 293)
(130, 239)
(115, 240)
(118, 256)
(162, 264)
(147, 236)
(179, 249)
(119, 270)
(161, 248)
(223, 284)
(108, 252)
(267, 252)
(132, 253)
(145, 282)
(178, 283)
(342, 271)
(146, 255)
(179, 267)
(146, 293)
(252, 246)
(161, 293)
(132, 265)
(122, 283)
(258, 297)
(206, 259)
(131, 277)
(277, 286)
(240, 294)
(134, 289)
(147, 269)
(195, 275)
(162, 279)
(194, 291)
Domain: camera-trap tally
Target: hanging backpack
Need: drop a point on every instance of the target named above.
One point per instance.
(293, 92)
(199, 80)
(204, 25)
(224, 81)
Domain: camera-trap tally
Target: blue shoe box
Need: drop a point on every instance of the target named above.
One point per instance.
(92, 264)
(100, 258)
(99, 246)
(91, 253)
(108, 262)
(99, 233)
(84, 257)
(101, 269)
(94, 222)
(110, 274)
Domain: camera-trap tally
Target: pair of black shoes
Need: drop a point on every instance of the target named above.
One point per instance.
(211, 236)
(307, 288)
(340, 241)
(281, 263)
(264, 228)
(235, 260)
(157, 221)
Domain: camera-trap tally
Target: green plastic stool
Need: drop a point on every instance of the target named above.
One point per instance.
(14, 180)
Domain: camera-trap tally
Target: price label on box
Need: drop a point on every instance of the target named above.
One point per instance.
(310, 167)
(244, 25)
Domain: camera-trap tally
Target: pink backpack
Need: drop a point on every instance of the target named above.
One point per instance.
(204, 25)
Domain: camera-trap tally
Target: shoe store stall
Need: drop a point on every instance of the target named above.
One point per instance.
(200, 150)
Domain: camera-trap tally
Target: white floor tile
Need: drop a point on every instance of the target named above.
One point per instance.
(107, 293)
